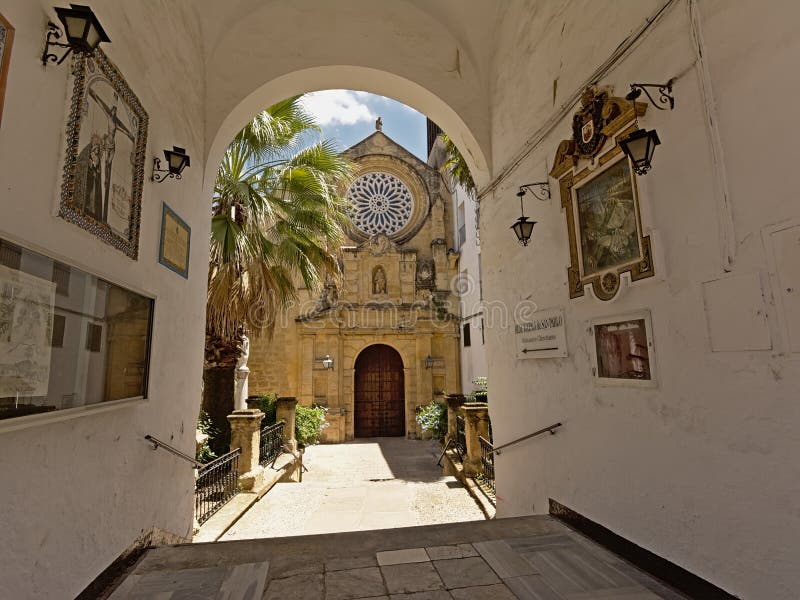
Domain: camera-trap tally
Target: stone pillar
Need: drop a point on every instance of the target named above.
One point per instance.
(241, 392)
(454, 402)
(246, 434)
(285, 411)
(476, 423)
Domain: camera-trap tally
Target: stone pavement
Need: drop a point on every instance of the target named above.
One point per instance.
(526, 558)
(368, 484)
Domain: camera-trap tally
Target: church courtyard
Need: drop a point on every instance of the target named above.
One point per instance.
(376, 483)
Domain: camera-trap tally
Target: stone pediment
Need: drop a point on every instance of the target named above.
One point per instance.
(379, 244)
(380, 143)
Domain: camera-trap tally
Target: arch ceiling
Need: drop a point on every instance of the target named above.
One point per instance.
(432, 58)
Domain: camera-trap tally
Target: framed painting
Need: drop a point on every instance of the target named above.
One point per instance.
(623, 350)
(174, 244)
(6, 41)
(103, 172)
(600, 199)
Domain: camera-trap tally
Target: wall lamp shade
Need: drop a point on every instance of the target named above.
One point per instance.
(429, 362)
(640, 147)
(83, 30)
(523, 228)
(177, 161)
(327, 362)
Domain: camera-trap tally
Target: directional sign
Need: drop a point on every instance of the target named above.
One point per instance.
(543, 336)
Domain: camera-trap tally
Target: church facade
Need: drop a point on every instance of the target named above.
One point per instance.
(384, 340)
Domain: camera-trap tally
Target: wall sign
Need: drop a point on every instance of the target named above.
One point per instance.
(543, 336)
(173, 249)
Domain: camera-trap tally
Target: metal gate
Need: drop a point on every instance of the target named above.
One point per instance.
(379, 393)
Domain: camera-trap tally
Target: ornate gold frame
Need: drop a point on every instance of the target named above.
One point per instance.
(618, 118)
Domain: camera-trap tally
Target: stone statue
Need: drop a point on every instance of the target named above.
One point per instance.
(379, 124)
(244, 353)
(379, 281)
(241, 374)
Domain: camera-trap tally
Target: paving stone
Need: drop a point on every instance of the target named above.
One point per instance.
(447, 552)
(532, 587)
(465, 572)
(354, 583)
(504, 560)
(484, 592)
(399, 557)
(413, 577)
(434, 595)
(296, 587)
(354, 562)
(287, 566)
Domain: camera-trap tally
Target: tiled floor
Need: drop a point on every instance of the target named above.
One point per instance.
(534, 558)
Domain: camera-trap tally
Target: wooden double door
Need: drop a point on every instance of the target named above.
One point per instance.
(379, 393)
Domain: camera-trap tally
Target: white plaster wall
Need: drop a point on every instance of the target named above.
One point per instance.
(75, 494)
(703, 469)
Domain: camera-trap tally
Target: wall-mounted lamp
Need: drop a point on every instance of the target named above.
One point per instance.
(664, 90)
(523, 227)
(177, 161)
(429, 362)
(640, 145)
(327, 362)
(83, 30)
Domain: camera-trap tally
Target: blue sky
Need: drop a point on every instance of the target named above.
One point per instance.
(348, 116)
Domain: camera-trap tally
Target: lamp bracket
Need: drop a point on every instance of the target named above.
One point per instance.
(665, 98)
(160, 174)
(539, 189)
(54, 33)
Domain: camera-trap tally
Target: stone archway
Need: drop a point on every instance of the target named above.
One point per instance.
(379, 392)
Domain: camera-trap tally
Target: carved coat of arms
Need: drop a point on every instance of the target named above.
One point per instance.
(587, 124)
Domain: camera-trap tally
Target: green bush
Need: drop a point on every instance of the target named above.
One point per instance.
(205, 453)
(309, 423)
(265, 404)
(433, 418)
(480, 394)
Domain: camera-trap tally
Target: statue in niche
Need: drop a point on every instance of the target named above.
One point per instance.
(378, 281)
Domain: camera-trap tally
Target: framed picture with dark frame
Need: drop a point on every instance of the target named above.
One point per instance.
(622, 350)
(174, 242)
(6, 41)
(106, 138)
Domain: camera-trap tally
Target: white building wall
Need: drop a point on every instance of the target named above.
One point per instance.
(703, 469)
(77, 493)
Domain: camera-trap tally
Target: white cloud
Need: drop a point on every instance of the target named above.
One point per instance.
(338, 107)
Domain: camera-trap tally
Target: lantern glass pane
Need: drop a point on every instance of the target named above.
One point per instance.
(75, 26)
(638, 148)
(92, 37)
(175, 162)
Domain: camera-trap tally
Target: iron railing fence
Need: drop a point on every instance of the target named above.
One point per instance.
(271, 443)
(461, 437)
(487, 462)
(217, 482)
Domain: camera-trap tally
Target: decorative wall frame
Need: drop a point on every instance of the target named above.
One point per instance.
(600, 198)
(6, 41)
(622, 350)
(103, 171)
(174, 242)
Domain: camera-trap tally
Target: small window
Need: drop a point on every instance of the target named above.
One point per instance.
(61, 275)
(467, 341)
(483, 334)
(59, 323)
(94, 337)
(10, 255)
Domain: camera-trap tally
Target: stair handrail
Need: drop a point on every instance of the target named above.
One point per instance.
(157, 443)
(551, 428)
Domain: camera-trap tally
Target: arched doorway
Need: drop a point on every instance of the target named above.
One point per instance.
(379, 393)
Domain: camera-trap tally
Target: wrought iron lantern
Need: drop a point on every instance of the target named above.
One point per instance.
(429, 362)
(639, 147)
(327, 362)
(83, 30)
(177, 161)
(523, 227)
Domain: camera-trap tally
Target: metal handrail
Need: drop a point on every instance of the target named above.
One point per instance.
(158, 443)
(551, 429)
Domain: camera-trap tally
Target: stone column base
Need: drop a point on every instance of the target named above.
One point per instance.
(252, 480)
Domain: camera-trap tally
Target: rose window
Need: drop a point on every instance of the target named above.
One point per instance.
(381, 203)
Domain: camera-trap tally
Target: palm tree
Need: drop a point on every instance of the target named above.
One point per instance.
(277, 220)
(456, 166)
